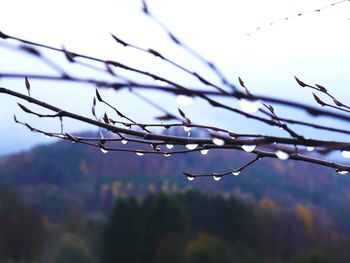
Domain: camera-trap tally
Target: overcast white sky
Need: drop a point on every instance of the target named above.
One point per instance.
(314, 47)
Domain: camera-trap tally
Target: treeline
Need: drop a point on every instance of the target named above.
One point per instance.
(189, 228)
(194, 227)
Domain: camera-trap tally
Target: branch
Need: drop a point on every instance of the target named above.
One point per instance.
(128, 135)
(287, 18)
(192, 144)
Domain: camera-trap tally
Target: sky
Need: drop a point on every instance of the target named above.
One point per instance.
(314, 47)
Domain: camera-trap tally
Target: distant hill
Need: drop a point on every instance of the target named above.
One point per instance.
(63, 176)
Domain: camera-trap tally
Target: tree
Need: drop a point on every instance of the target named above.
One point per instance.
(122, 232)
(258, 108)
(147, 232)
(164, 220)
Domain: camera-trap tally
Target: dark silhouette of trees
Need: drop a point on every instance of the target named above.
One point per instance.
(123, 129)
(23, 230)
(140, 233)
(145, 231)
(121, 233)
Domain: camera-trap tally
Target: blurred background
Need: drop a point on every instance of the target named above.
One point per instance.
(61, 202)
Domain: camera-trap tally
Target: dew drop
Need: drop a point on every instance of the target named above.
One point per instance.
(204, 151)
(166, 154)
(190, 178)
(187, 128)
(249, 106)
(125, 141)
(104, 150)
(248, 148)
(48, 136)
(139, 153)
(216, 177)
(61, 136)
(218, 141)
(342, 172)
(282, 155)
(345, 154)
(161, 83)
(191, 146)
(236, 173)
(184, 100)
(170, 146)
(156, 147)
(310, 148)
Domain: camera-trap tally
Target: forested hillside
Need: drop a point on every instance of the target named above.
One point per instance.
(82, 205)
(90, 180)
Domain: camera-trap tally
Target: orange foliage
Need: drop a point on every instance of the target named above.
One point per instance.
(305, 215)
(267, 203)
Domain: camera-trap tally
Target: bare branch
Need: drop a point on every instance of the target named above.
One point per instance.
(287, 18)
(119, 132)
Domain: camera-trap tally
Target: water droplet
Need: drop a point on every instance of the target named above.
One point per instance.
(236, 173)
(216, 177)
(249, 106)
(187, 128)
(48, 136)
(282, 155)
(167, 154)
(190, 178)
(156, 147)
(342, 172)
(139, 153)
(104, 150)
(248, 148)
(125, 141)
(204, 151)
(310, 148)
(170, 146)
(184, 100)
(345, 154)
(161, 83)
(218, 141)
(127, 126)
(61, 136)
(191, 146)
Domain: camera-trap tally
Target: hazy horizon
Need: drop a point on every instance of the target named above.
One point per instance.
(313, 47)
